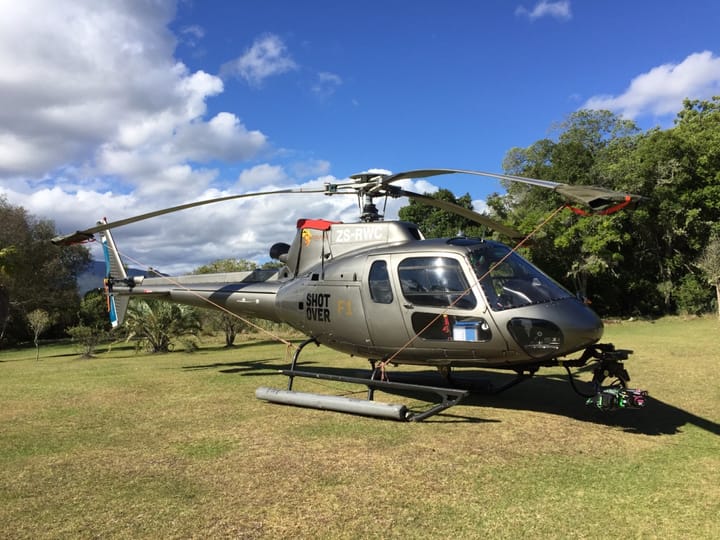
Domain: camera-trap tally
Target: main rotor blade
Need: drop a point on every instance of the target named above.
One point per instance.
(597, 198)
(87, 234)
(464, 212)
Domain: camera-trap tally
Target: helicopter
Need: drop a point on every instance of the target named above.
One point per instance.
(380, 290)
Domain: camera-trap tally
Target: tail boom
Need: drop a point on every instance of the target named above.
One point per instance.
(250, 293)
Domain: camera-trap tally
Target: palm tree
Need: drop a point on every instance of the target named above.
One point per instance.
(158, 323)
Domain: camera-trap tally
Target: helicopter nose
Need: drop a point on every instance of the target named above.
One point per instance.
(581, 325)
(555, 329)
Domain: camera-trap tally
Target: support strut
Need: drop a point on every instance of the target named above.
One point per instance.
(295, 359)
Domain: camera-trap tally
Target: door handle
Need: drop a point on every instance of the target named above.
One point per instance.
(408, 306)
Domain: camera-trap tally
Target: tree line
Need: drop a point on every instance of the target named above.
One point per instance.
(662, 258)
(39, 296)
(35, 275)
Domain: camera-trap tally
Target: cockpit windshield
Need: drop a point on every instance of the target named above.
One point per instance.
(514, 282)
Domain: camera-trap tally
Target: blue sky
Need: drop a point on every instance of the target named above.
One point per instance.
(111, 108)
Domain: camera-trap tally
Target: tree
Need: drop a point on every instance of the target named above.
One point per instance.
(228, 323)
(581, 252)
(709, 263)
(93, 324)
(679, 168)
(630, 262)
(87, 339)
(158, 324)
(439, 223)
(4, 292)
(226, 265)
(34, 273)
(38, 320)
(93, 311)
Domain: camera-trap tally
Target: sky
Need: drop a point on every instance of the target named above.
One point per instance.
(113, 108)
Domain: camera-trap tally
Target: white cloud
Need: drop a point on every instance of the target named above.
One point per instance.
(70, 72)
(480, 206)
(98, 118)
(192, 34)
(262, 175)
(223, 137)
(661, 90)
(245, 228)
(326, 84)
(268, 56)
(316, 167)
(558, 10)
(91, 88)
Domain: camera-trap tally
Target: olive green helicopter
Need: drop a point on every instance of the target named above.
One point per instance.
(379, 290)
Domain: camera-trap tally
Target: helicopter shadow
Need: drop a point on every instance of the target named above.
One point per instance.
(241, 346)
(550, 394)
(251, 368)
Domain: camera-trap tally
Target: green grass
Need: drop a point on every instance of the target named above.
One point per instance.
(177, 446)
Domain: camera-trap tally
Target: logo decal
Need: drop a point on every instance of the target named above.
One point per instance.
(317, 307)
(307, 236)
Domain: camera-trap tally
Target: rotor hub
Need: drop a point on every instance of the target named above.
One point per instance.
(370, 212)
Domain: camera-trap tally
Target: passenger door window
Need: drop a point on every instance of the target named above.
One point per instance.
(436, 282)
(379, 282)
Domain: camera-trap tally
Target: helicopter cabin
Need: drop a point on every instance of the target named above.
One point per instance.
(342, 292)
(377, 288)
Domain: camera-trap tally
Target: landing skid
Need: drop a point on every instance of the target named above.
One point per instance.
(365, 407)
(609, 364)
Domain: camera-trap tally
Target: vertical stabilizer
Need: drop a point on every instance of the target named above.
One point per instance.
(114, 271)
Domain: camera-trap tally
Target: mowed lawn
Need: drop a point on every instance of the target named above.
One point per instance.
(177, 446)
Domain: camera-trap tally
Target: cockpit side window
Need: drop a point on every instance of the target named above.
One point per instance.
(509, 281)
(435, 281)
(379, 283)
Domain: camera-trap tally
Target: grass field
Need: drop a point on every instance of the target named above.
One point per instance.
(177, 446)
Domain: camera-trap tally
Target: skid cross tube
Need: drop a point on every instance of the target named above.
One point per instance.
(449, 396)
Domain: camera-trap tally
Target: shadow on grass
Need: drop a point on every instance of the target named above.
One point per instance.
(247, 367)
(550, 394)
(553, 394)
(242, 345)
